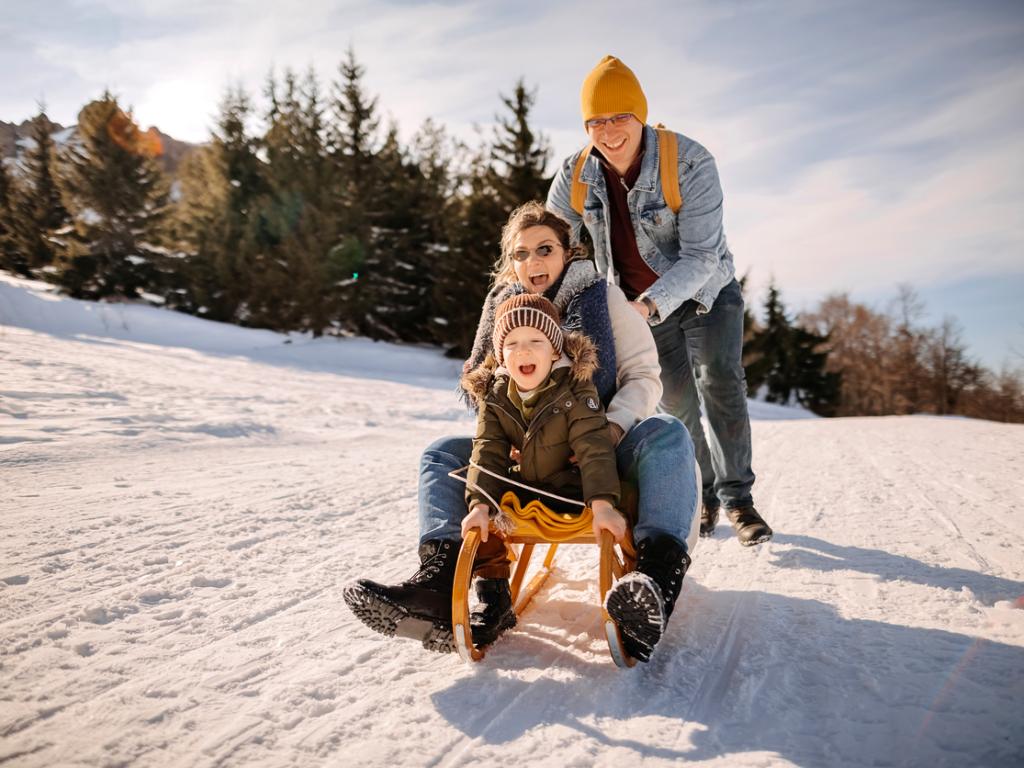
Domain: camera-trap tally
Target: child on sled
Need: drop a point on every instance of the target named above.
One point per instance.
(534, 395)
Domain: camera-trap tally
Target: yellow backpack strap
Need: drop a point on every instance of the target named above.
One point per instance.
(668, 160)
(579, 190)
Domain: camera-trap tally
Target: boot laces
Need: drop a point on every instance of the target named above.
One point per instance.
(431, 567)
(667, 574)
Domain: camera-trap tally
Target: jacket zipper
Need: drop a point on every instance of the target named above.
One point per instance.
(535, 421)
(516, 419)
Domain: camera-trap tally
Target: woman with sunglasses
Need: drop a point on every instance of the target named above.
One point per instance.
(653, 451)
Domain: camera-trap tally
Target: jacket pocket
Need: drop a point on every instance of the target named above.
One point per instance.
(659, 224)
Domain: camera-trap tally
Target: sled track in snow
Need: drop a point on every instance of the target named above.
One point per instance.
(927, 509)
(723, 661)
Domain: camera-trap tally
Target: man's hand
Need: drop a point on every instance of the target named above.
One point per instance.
(607, 518)
(478, 517)
(642, 309)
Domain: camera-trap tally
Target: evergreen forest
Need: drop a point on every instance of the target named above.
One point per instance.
(310, 213)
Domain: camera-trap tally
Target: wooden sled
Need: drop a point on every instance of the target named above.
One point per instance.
(537, 524)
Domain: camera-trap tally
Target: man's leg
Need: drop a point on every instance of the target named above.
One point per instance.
(715, 341)
(715, 344)
(680, 397)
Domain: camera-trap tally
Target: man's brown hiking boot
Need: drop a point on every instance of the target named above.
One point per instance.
(750, 527)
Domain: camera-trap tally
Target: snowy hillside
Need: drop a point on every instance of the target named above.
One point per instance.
(181, 503)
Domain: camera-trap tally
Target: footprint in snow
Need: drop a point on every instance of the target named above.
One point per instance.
(202, 581)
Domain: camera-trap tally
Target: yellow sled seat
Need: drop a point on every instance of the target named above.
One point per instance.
(530, 525)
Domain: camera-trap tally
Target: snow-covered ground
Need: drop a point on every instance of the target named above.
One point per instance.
(181, 503)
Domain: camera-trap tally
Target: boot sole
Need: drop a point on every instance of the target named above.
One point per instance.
(635, 605)
(758, 540)
(391, 620)
(708, 530)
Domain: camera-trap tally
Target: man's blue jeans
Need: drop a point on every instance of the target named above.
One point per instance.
(701, 366)
(656, 454)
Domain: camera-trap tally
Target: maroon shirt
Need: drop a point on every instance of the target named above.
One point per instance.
(635, 276)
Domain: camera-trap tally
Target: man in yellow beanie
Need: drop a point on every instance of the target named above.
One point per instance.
(676, 268)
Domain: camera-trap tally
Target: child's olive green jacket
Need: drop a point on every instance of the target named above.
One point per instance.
(567, 420)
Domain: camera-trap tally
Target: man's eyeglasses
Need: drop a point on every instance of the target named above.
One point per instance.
(543, 251)
(600, 122)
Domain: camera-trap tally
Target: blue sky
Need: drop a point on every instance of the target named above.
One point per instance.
(861, 144)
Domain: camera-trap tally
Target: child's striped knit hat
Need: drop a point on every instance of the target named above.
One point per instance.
(526, 309)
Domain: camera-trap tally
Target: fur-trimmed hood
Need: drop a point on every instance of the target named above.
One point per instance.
(578, 354)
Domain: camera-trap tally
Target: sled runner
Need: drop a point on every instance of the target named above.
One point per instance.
(526, 526)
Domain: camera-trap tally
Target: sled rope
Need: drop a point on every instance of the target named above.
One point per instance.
(454, 475)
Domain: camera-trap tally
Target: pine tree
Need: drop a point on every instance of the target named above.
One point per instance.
(293, 287)
(217, 219)
(408, 210)
(817, 388)
(392, 276)
(790, 362)
(352, 142)
(750, 324)
(499, 177)
(519, 156)
(9, 255)
(437, 188)
(771, 363)
(474, 239)
(119, 198)
(38, 213)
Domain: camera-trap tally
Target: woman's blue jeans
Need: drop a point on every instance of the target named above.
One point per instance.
(656, 454)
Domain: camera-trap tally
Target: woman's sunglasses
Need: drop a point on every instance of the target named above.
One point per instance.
(543, 251)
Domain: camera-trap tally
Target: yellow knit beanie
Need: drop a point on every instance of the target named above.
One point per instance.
(612, 88)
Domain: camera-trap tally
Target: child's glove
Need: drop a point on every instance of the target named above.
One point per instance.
(607, 518)
(478, 517)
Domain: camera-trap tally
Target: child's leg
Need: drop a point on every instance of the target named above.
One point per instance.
(493, 559)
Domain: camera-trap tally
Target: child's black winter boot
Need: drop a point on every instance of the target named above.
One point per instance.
(495, 613)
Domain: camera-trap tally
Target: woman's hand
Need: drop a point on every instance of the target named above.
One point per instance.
(478, 517)
(607, 518)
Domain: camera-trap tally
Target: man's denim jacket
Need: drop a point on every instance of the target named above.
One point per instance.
(687, 251)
